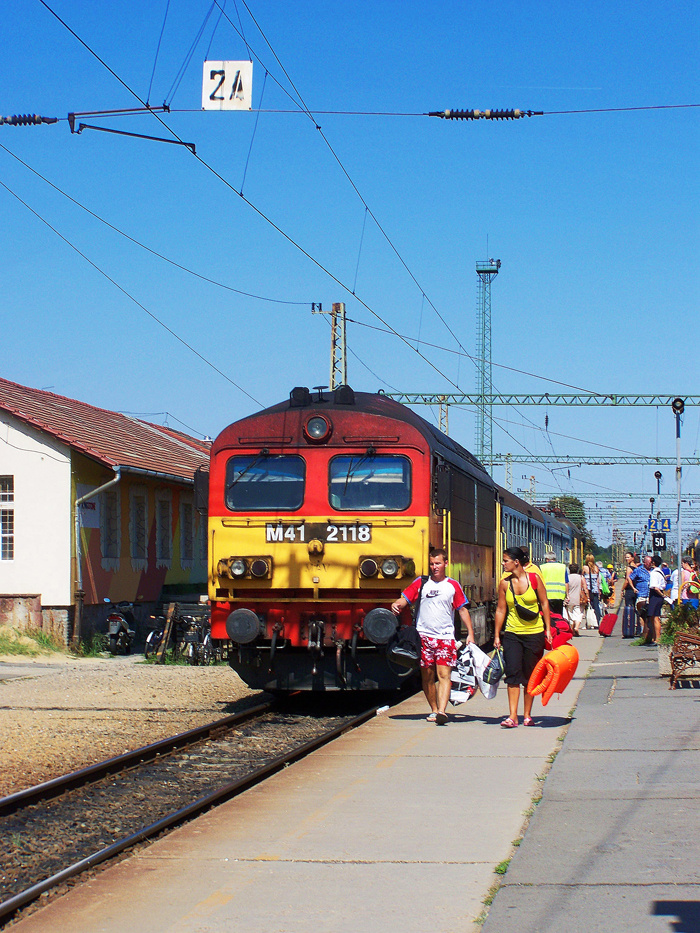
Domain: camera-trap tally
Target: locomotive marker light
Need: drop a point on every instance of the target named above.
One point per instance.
(239, 568)
(317, 429)
(390, 567)
(369, 567)
(259, 568)
(243, 626)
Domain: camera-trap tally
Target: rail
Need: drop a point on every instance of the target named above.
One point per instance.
(218, 795)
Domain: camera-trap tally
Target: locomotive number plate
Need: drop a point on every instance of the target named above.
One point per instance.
(338, 534)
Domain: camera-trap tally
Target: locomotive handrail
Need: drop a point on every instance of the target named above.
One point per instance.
(333, 520)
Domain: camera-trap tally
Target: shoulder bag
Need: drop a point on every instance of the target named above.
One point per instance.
(527, 615)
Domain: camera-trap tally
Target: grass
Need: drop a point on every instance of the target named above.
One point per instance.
(28, 644)
(170, 658)
(502, 867)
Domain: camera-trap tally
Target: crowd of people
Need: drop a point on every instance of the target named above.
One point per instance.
(649, 583)
(528, 597)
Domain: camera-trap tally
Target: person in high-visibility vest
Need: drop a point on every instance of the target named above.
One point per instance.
(556, 581)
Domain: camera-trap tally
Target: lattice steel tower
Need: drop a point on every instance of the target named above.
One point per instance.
(486, 272)
(339, 361)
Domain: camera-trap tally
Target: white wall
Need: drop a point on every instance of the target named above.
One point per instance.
(42, 472)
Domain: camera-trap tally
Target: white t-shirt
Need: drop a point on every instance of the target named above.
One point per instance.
(438, 604)
(657, 581)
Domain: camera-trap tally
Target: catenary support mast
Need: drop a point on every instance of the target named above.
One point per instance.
(486, 273)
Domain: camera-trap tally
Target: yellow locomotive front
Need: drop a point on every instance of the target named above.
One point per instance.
(319, 514)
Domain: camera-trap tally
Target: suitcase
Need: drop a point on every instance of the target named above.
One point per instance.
(629, 621)
(607, 624)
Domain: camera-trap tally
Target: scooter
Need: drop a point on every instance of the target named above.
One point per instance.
(120, 624)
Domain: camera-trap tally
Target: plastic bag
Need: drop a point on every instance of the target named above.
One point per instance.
(496, 668)
(481, 661)
(463, 678)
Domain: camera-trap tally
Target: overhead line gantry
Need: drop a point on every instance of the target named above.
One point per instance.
(576, 400)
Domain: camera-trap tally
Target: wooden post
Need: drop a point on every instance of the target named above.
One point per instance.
(160, 654)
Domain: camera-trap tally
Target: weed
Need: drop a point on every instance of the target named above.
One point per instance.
(92, 647)
(502, 867)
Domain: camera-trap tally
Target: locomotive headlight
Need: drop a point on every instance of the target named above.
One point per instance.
(369, 567)
(390, 567)
(239, 568)
(317, 429)
(259, 568)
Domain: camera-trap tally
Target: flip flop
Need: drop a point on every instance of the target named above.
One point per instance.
(441, 718)
(528, 721)
(432, 717)
(509, 724)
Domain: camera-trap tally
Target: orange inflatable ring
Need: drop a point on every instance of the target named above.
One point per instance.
(553, 672)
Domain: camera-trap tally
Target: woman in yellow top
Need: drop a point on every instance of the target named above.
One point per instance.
(524, 608)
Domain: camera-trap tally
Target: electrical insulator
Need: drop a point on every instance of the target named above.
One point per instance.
(27, 119)
(485, 114)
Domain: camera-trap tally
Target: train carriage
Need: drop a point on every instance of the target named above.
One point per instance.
(522, 525)
(321, 510)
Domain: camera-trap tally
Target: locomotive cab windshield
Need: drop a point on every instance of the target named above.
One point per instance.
(264, 482)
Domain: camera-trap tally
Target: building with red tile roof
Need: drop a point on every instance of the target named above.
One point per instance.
(120, 487)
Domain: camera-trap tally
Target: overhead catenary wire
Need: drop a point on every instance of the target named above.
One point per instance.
(148, 249)
(155, 60)
(289, 238)
(131, 297)
(283, 233)
(256, 209)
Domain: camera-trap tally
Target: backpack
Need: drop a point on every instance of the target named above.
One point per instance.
(404, 647)
(560, 629)
(604, 586)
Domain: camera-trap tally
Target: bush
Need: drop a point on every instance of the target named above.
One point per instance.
(683, 618)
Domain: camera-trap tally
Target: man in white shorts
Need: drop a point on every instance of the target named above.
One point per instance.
(440, 598)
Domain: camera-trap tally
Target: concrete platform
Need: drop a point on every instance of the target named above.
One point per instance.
(614, 844)
(396, 826)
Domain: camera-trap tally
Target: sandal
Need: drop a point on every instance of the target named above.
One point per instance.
(528, 721)
(432, 717)
(441, 718)
(509, 723)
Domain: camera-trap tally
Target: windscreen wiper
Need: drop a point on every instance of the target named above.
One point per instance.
(263, 453)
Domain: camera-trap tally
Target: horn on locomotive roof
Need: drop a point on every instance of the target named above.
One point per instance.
(300, 397)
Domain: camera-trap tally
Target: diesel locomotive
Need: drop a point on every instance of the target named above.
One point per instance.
(321, 510)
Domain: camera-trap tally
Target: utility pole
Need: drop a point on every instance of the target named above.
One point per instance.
(339, 362)
(486, 272)
(678, 406)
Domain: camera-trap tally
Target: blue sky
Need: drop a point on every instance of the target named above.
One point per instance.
(593, 215)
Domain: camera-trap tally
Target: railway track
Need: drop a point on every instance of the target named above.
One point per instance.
(58, 829)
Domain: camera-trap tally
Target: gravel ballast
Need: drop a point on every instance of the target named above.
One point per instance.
(59, 714)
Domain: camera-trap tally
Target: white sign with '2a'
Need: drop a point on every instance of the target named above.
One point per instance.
(227, 86)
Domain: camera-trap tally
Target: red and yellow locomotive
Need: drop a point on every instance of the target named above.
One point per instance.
(321, 509)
